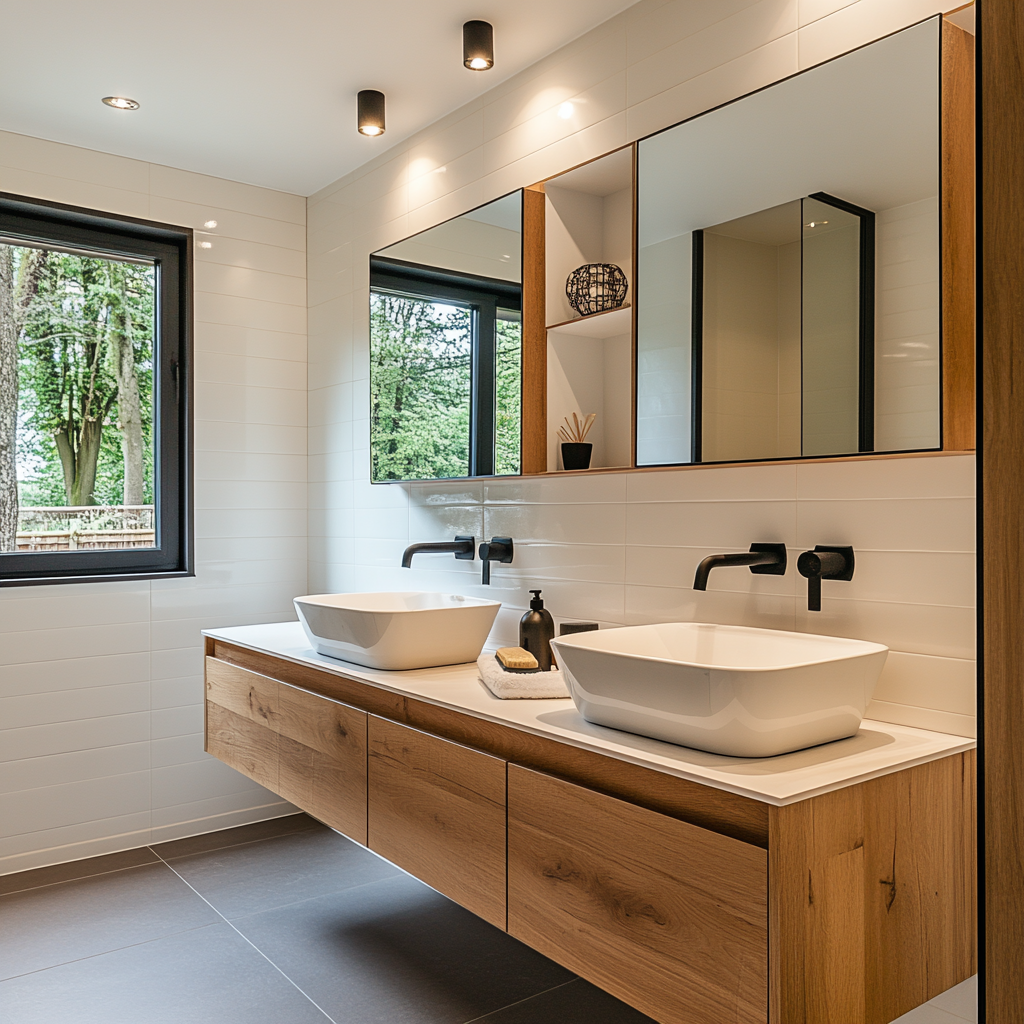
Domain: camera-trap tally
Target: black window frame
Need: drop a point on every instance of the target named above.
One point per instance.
(58, 226)
(484, 296)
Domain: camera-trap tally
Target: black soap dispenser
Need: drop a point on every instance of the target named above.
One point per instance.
(536, 631)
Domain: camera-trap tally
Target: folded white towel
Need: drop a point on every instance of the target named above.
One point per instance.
(519, 685)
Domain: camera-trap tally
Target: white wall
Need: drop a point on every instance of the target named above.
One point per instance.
(101, 687)
(622, 548)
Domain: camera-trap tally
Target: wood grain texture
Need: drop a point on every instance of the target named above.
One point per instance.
(666, 916)
(437, 809)
(535, 336)
(247, 746)
(714, 809)
(1001, 448)
(323, 759)
(871, 889)
(958, 187)
(304, 747)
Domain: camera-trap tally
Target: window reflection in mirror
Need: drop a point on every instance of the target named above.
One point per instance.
(864, 130)
(446, 349)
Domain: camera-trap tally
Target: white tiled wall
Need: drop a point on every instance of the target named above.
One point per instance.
(907, 338)
(621, 548)
(101, 717)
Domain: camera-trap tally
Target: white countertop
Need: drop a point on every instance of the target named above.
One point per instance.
(877, 749)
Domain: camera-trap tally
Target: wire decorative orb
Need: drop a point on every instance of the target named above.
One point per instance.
(596, 287)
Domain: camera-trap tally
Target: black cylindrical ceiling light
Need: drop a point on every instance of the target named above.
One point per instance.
(478, 45)
(371, 112)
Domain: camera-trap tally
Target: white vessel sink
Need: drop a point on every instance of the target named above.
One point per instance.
(729, 689)
(398, 631)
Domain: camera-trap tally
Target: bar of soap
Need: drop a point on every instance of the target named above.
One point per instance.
(515, 659)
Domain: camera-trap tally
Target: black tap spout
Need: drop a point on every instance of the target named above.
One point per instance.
(766, 559)
(461, 547)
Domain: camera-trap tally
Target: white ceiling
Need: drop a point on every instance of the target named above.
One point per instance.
(261, 91)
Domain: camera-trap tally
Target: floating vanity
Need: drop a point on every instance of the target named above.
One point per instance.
(827, 886)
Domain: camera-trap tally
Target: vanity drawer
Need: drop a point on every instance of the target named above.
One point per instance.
(308, 749)
(669, 917)
(437, 809)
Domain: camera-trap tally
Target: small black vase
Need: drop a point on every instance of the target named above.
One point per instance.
(576, 454)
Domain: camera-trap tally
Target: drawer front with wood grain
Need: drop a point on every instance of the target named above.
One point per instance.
(306, 748)
(437, 809)
(669, 917)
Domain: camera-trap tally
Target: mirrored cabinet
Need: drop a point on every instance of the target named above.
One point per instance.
(786, 276)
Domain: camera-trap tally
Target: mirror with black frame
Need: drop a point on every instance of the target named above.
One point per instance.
(788, 273)
(446, 349)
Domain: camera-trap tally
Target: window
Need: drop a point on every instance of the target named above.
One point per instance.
(445, 373)
(95, 355)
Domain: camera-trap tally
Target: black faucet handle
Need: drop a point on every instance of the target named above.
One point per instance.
(825, 562)
(497, 549)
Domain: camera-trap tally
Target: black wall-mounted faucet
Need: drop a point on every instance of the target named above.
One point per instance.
(461, 547)
(497, 549)
(825, 562)
(763, 559)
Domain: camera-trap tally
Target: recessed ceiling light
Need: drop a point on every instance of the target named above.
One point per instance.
(121, 102)
(210, 224)
(206, 245)
(565, 111)
(371, 112)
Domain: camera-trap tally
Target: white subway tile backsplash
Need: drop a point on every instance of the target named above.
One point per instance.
(887, 524)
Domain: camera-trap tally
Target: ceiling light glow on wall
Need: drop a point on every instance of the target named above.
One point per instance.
(121, 102)
(478, 45)
(371, 112)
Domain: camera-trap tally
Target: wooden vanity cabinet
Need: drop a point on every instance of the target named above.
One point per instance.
(307, 748)
(694, 905)
(669, 917)
(437, 809)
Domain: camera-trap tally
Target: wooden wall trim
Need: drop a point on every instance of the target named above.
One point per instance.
(714, 809)
(535, 336)
(1001, 457)
(958, 185)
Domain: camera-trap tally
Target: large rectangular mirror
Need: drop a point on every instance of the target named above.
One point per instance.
(446, 349)
(788, 271)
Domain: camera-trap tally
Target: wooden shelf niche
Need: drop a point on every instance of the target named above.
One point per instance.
(588, 218)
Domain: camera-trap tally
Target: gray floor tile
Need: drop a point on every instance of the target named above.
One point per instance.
(52, 925)
(960, 1000)
(244, 880)
(575, 1003)
(21, 880)
(928, 1014)
(207, 976)
(396, 952)
(237, 836)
